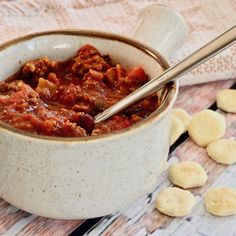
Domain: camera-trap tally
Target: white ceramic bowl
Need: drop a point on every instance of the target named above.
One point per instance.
(72, 178)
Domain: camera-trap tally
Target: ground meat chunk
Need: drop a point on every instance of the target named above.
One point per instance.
(39, 66)
(88, 58)
(68, 94)
(36, 69)
(46, 89)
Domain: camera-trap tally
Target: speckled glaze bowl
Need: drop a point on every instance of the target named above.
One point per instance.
(73, 178)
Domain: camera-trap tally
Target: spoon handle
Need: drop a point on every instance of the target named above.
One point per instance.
(201, 55)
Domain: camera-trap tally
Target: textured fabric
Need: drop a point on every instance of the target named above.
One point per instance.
(205, 18)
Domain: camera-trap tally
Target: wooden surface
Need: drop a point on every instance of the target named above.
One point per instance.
(141, 218)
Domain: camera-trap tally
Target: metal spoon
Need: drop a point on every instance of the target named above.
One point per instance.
(209, 50)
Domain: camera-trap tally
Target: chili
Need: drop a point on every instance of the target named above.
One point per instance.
(55, 98)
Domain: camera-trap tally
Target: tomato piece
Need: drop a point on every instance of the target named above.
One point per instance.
(137, 76)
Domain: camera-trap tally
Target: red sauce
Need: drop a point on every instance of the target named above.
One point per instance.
(61, 98)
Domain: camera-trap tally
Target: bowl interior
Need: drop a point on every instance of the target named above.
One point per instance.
(61, 46)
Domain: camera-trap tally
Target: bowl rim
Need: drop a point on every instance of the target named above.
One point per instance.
(160, 59)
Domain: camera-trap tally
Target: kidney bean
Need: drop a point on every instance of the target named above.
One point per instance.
(87, 122)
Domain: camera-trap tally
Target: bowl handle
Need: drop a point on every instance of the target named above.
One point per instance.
(162, 28)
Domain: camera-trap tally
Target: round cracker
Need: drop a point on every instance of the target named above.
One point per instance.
(206, 127)
(183, 116)
(187, 174)
(221, 201)
(175, 202)
(223, 151)
(177, 128)
(226, 100)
